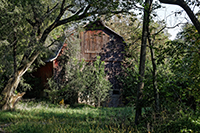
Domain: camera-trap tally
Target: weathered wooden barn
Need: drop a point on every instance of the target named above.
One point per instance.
(97, 39)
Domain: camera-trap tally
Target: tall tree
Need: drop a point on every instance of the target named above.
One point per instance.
(154, 73)
(36, 17)
(140, 87)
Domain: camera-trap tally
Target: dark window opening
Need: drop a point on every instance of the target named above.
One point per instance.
(116, 92)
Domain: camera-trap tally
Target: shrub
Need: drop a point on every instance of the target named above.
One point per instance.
(86, 79)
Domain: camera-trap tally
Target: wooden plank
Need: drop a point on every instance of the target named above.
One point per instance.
(92, 52)
(99, 41)
(81, 45)
(86, 43)
(91, 44)
(93, 55)
(105, 47)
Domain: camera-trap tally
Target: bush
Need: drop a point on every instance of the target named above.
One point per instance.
(84, 80)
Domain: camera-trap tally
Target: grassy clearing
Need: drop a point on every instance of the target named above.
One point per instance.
(49, 118)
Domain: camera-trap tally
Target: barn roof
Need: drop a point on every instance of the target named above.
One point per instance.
(56, 48)
(58, 45)
(98, 25)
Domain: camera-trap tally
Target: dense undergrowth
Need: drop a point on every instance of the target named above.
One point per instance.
(48, 118)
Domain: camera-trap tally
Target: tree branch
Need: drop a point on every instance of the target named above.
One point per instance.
(30, 22)
(174, 2)
(55, 23)
(49, 12)
(62, 10)
(75, 16)
(62, 6)
(189, 12)
(175, 25)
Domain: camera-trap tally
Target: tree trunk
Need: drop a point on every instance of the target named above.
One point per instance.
(14, 52)
(155, 87)
(189, 12)
(7, 95)
(99, 102)
(142, 61)
(154, 73)
(8, 92)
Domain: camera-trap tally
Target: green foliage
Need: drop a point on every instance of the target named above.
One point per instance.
(182, 58)
(129, 80)
(17, 34)
(53, 92)
(67, 89)
(167, 121)
(98, 86)
(86, 81)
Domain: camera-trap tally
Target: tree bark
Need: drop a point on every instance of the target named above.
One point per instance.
(14, 52)
(142, 61)
(99, 103)
(154, 73)
(155, 88)
(7, 95)
(187, 9)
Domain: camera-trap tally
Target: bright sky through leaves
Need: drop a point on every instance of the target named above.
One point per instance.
(173, 15)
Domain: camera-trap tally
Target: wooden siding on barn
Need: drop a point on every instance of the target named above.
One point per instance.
(91, 44)
(97, 42)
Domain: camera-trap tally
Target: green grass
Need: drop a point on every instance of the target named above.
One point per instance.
(48, 118)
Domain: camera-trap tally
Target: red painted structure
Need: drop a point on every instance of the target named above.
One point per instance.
(44, 72)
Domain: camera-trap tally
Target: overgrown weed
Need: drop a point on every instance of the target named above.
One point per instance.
(171, 122)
